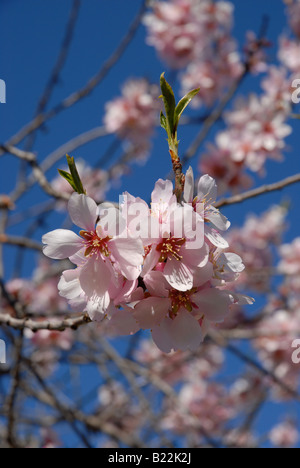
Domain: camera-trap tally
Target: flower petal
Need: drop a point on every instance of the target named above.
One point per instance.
(83, 211)
(218, 220)
(151, 311)
(97, 307)
(178, 275)
(163, 191)
(213, 303)
(215, 238)
(151, 260)
(122, 322)
(188, 194)
(203, 274)
(242, 299)
(157, 284)
(186, 332)
(69, 286)
(61, 244)
(95, 278)
(207, 189)
(129, 255)
(162, 336)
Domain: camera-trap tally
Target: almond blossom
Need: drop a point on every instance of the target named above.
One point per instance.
(285, 434)
(180, 320)
(293, 12)
(203, 407)
(181, 29)
(133, 116)
(101, 254)
(162, 267)
(253, 241)
(173, 244)
(203, 204)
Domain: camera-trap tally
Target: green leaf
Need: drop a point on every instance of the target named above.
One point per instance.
(73, 178)
(184, 102)
(170, 105)
(75, 175)
(68, 178)
(163, 121)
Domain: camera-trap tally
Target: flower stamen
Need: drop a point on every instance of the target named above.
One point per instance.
(95, 245)
(170, 248)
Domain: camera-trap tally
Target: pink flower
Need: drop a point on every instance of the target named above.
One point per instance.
(173, 31)
(102, 306)
(284, 435)
(293, 11)
(289, 54)
(179, 320)
(290, 254)
(99, 252)
(161, 268)
(252, 241)
(181, 30)
(203, 206)
(133, 116)
(48, 339)
(203, 406)
(230, 175)
(213, 75)
(178, 243)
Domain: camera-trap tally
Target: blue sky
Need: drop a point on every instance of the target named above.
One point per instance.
(31, 32)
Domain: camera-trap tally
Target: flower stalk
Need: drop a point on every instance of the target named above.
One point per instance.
(169, 123)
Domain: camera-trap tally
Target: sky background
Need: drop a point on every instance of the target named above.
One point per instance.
(31, 33)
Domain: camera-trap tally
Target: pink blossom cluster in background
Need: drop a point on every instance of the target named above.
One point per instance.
(134, 115)
(255, 132)
(40, 297)
(139, 334)
(167, 272)
(254, 241)
(196, 36)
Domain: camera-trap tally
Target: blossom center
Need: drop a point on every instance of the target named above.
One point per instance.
(94, 244)
(181, 299)
(170, 248)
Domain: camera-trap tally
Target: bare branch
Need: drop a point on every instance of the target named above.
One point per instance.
(71, 100)
(53, 325)
(20, 242)
(259, 191)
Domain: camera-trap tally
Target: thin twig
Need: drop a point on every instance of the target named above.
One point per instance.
(259, 191)
(75, 97)
(20, 242)
(36, 325)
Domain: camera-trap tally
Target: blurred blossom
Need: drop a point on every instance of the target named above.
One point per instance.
(134, 115)
(284, 435)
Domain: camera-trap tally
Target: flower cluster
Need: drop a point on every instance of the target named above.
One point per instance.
(254, 241)
(293, 12)
(195, 35)
(163, 267)
(255, 131)
(285, 434)
(134, 115)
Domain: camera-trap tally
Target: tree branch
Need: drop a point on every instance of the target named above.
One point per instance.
(258, 191)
